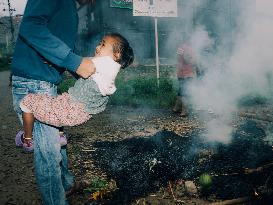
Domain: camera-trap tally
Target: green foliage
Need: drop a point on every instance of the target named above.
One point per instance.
(97, 184)
(65, 84)
(141, 91)
(205, 180)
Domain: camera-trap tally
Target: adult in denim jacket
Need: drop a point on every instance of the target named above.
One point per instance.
(43, 51)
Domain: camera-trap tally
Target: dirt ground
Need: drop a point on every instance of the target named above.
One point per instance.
(17, 181)
(100, 149)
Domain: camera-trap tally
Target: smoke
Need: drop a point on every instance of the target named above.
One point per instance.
(238, 66)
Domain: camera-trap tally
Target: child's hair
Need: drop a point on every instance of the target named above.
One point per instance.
(123, 50)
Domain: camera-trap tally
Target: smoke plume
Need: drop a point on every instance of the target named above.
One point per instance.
(240, 65)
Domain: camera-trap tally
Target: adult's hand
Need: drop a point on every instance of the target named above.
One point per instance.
(86, 68)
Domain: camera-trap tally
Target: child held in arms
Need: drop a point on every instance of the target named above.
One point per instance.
(86, 98)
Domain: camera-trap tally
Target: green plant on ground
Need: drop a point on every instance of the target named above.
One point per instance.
(141, 91)
(66, 84)
(97, 184)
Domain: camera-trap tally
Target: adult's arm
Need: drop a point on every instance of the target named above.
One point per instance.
(34, 31)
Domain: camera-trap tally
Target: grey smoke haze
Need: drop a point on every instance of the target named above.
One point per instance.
(245, 71)
(236, 59)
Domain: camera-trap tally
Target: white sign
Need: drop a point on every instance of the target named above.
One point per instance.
(156, 8)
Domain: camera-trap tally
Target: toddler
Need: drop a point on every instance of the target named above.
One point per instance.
(87, 96)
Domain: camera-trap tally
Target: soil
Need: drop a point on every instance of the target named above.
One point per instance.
(145, 156)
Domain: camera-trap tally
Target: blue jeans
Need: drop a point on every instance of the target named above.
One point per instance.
(51, 170)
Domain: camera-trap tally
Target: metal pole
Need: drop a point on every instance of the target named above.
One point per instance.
(7, 41)
(156, 53)
(11, 21)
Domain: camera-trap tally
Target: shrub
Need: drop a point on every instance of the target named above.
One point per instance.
(144, 92)
(66, 84)
(137, 89)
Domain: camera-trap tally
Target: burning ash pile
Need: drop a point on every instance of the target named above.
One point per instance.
(141, 166)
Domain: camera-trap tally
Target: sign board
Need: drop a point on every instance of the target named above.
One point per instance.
(155, 8)
(127, 4)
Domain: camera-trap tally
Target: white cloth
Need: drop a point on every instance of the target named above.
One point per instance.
(105, 75)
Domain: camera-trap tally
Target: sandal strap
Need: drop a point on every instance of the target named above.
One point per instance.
(27, 138)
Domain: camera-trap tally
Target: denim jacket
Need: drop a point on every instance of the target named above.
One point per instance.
(46, 40)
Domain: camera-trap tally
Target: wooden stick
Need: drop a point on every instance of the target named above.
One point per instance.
(232, 201)
(171, 189)
(258, 169)
(246, 170)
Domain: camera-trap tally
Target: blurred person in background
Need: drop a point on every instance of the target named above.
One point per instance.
(186, 71)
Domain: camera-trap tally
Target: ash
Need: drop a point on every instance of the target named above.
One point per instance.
(143, 165)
